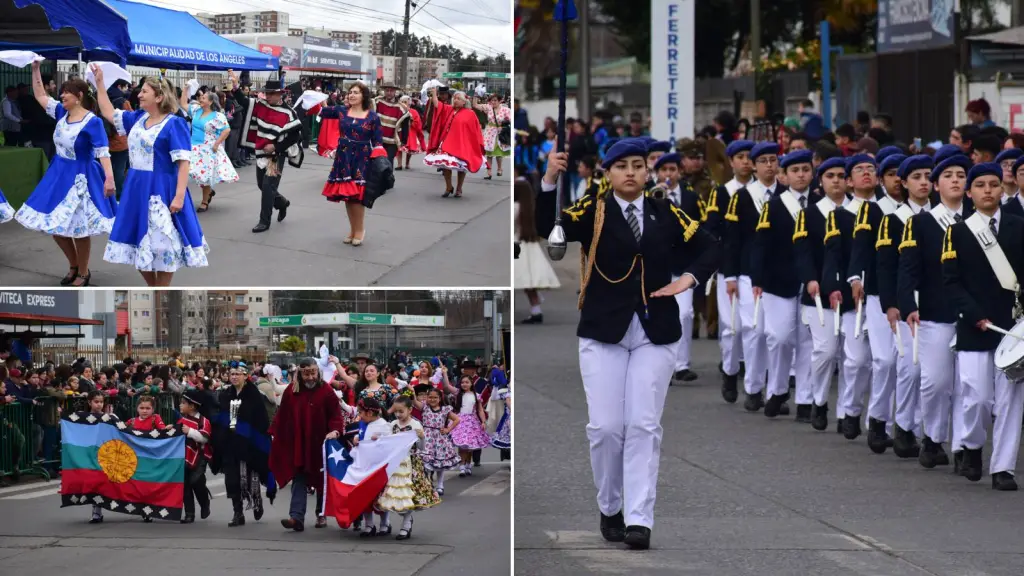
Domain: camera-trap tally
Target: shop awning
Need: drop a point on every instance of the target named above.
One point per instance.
(86, 25)
(163, 38)
(15, 319)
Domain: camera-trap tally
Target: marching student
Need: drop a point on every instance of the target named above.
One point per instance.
(628, 330)
(776, 283)
(197, 453)
(667, 170)
(1006, 159)
(737, 264)
(1013, 203)
(981, 264)
(923, 302)
(809, 238)
(718, 204)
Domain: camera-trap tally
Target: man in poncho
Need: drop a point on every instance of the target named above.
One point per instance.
(456, 141)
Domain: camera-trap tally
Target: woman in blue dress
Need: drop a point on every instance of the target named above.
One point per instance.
(74, 200)
(6, 212)
(157, 230)
(360, 134)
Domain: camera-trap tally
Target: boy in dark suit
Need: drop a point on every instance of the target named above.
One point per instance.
(1013, 203)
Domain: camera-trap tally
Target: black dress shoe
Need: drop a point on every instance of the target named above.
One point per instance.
(1004, 481)
(729, 393)
(188, 520)
(283, 211)
(904, 444)
(929, 453)
(534, 319)
(941, 458)
(839, 426)
(638, 537)
(686, 375)
(878, 439)
(772, 405)
(261, 227)
(819, 417)
(803, 413)
(613, 528)
(958, 462)
(237, 520)
(754, 402)
(784, 409)
(970, 468)
(851, 427)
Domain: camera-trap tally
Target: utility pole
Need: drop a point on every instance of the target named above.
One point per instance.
(583, 95)
(405, 46)
(1016, 15)
(755, 40)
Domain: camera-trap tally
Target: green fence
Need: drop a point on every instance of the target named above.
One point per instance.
(30, 432)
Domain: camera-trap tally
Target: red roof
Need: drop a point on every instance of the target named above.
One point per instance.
(40, 319)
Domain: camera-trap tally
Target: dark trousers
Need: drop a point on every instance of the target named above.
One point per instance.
(195, 491)
(271, 197)
(476, 457)
(231, 146)
(392, 150)
(119, 162)
(12, 138)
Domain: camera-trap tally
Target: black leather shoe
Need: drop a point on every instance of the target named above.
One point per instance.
(283, 211)
(941, 458)
(904, 444)
(261, 227)
(851, 427)
(878, 439)
(754, 402)
(839, 426)
(970, 468)
(188, 520)
(784, 408)
(638, 537)
(1004, 482)
(772, 405)
(686, 375)
(819, 417)
(237, 520)
(729, 393)
(803, 413)
(929, 453)
(534, 319)
(958, 462)
(613, 528)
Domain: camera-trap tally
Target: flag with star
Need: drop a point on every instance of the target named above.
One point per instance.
(354, 478)
(106, 463)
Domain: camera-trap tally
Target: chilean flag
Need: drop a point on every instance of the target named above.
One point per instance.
(354, 478)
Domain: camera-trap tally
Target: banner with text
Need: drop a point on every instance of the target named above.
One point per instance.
(672, 68)
(914, 24)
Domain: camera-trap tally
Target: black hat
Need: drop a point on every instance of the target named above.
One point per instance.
(362, 356)
(470, 364)
(192, 397)
(422, 388)
(442, 89)
(273, 85)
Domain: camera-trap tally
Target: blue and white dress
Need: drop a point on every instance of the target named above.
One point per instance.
(69, 200)
(146, 234)
(6, 212)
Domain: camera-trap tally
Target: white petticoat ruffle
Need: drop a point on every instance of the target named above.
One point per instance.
(446, 161)
(6, 212)
(75, 217)
(532, 269)
(161, 249)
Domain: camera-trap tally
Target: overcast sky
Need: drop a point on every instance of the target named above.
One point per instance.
(481, 25)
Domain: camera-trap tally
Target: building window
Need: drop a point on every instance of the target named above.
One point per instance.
(145, 313)
(239, 299)
(135, 313)
(259, 298)
(239, 315)
(240, 331)
(145, 296)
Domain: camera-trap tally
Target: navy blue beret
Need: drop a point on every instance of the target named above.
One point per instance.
(984, 169)
(1011, 154)
(891, 162)
(737, 146)
(960, 160)
(1017, 164)
(834, 162)
(666, 158)
(796, 157)
(886, 152)
(858, 159)
(762, 148)
(659, 146)
(622, 149)
(916, 162)
(946, 151)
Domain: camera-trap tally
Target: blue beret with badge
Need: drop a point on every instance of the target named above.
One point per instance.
(737, 146)
(665, 159)
(891, 162)
(858, 159)
(623, 149)
(763, 149)
(1011, 154)
(1017, 164)
(984, 169)
(796, 157)
(960, 160)
(834, 162)
(915, 162)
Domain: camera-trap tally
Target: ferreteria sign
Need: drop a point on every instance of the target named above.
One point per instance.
(672, 68)
(39, 303)
(346, 319)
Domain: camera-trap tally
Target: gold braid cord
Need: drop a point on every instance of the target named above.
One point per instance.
(948, 253)
(588, 265)
(908, 236)
(862, 220)
(883, 234)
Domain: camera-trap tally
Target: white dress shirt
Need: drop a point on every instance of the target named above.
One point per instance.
(638, 211)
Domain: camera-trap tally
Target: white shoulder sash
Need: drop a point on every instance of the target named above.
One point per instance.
(825, 206)
(757, 198)
(993, 252)
(904, 213)
(887, 204)
(732, 186)
(944, 216)
(791, 203)
(854, 205)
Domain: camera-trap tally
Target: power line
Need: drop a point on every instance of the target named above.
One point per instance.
(458, 32)
(474, 14)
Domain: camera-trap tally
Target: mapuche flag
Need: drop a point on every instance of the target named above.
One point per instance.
(107, 464)
(353, 479)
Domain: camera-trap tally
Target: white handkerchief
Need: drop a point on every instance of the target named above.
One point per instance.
(111, 73)
(309, 99)
(193, 87)
(19, 58)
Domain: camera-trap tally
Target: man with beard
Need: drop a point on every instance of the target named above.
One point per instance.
(391, 118)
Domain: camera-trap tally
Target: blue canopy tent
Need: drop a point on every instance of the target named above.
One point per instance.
(163, 38)
(64, 28)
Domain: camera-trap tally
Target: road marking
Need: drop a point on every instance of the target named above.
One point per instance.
(48, 491)
(874, 542)
(590, 549)
(858, 542)
(493, 485)
(30, 486)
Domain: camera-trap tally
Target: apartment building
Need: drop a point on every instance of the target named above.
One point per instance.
(266, 21)
(365, 42)
(418, 71)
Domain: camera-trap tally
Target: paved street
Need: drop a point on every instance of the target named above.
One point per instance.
(413, 237)
(739, 494)
(468, 534)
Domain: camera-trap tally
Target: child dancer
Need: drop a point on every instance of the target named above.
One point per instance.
(408, 488)
(95, 399)
(197, 453)
(438, 451)
(146, 420)
(502, 438)
(376, 428)
(469, 433)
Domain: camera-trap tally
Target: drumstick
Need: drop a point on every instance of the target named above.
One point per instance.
(899, 341)
(821, 310)
(757, 308)
(995, 328)
(916, 328)
(835, 328)
(859, 323)
(732, 313)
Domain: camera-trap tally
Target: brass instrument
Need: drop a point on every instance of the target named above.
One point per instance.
(1018, 310)
(659, 190)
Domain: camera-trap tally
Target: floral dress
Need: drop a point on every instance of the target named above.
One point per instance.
(146, 235)
(384, 395)
(6, 212)
(438, 451)
(358, 138)
(210, 168)
(408, 488)
(69, 201)
(492, 147)
(502, 438)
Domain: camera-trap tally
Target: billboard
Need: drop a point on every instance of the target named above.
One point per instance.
(288, 57)
(328, 54)
(914, 24)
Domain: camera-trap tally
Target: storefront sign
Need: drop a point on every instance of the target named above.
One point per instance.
(914, 24)
(39, 303)
(672, 68)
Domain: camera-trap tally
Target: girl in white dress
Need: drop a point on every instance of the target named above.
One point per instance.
(531, 270)
(209, 164)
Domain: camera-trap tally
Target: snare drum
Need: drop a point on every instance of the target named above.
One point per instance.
(1009, 355)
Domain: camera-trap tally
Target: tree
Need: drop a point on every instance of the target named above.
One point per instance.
(293, 344)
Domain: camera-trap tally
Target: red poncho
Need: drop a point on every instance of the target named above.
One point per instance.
(458, 134)
(299, 428)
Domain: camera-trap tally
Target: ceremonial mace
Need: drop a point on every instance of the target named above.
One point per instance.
(565, 11)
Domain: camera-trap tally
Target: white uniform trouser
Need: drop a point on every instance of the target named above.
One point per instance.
(685, 302)
(826, 350)
(755, 348)
(788, 343)
(939, 382)
(908, 384)
(984, 386)
(883, 360)
(728, 335)
(856, 367)
(626, 384)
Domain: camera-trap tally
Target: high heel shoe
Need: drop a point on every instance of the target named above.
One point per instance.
(347, 240)
(358, 241)
(86, 279)
(405, 534)
(70, 277)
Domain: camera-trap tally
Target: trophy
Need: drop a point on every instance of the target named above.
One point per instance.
(233, 410)
(565, 11)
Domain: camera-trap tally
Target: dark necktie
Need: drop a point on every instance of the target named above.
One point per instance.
(634, 225)
(992, 226)
(957, 217)
(803, 202)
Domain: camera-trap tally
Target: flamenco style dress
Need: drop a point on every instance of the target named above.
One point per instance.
(69, 201)
(492, 146)
(209, 167)
(327, 139)
(146, 235)
(6, 212)
(502, 438)
(409, 488)
(415, 143)
(456, 141)
(356, 143)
